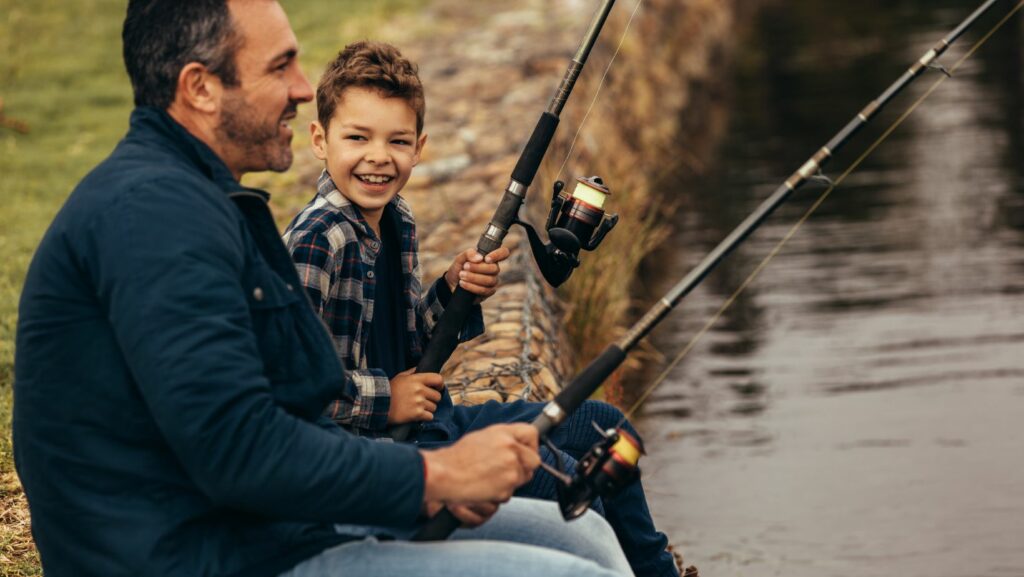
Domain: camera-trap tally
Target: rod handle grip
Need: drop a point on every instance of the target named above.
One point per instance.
(442, 344)
(438, 528)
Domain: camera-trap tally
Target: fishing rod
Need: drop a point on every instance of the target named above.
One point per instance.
(576, 220)
(611, 463)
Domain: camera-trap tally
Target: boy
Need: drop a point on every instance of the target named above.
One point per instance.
(355, 248)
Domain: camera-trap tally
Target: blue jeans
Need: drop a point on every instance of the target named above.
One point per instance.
(627, 512)
(525, 537)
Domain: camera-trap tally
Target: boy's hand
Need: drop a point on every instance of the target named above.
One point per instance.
(414, 396)
(476, 274)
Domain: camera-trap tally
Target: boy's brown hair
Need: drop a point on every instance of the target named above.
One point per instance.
(375, 65)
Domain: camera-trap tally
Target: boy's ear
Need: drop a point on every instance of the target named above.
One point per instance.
(420, 142)
(318, 139)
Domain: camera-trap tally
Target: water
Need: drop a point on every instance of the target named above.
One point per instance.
(860, 409)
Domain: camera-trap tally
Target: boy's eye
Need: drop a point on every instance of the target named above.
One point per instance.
(355, 137)
(400, 142)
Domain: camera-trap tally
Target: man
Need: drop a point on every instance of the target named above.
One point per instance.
(170, 375)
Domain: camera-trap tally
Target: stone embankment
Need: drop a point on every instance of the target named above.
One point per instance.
(489, 69)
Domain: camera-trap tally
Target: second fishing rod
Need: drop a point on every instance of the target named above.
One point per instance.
(609, 463)
(576, 220)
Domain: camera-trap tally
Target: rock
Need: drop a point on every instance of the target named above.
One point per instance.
(480, 397)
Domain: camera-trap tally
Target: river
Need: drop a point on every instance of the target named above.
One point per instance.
(860, 409)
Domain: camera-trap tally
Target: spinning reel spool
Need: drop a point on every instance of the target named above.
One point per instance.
(576, 221)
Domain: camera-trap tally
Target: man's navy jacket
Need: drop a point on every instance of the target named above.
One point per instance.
(169, 380)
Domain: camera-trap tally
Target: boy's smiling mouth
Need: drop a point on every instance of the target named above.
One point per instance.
(375, 178)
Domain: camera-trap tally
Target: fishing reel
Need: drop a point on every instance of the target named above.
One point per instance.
(608, 466)
(576, 221)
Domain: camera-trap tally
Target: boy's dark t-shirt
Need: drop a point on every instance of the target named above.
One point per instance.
(387, 350)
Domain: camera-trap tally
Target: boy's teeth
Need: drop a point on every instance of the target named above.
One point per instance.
(374, 179)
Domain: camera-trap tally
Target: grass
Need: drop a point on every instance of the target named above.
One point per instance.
(61, 76)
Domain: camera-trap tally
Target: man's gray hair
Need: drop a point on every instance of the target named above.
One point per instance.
(162, 36)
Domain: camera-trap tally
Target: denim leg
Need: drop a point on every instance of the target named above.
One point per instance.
(525, 537)
(645, 547)
(539, 522)
(627, 512)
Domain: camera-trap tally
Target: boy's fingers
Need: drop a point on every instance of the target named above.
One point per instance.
(480, 280)
(432, 380)
(481, 268)
(432, 395)
(498, 255)
(477, 290)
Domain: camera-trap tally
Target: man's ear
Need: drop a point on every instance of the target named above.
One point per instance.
(318, 140)
(199, 89)
(420, 143)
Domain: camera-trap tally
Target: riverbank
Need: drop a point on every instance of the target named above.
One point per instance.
(490, 69)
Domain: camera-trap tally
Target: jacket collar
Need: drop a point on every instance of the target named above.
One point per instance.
(155, 126)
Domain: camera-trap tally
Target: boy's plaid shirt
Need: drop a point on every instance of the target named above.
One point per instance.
(334, 250)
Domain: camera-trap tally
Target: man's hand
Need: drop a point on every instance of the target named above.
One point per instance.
(475, 273)
(471, 515)
(483, 467)
(414, 396)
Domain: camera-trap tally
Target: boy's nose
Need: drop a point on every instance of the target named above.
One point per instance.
(378, 154)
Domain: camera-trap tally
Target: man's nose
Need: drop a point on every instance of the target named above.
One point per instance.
(301, 89)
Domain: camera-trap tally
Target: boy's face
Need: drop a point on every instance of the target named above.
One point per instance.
(370, 148)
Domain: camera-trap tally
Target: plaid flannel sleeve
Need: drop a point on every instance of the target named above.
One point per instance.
(366, 413)
(313, 259)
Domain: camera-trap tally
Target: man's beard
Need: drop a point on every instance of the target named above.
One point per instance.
(258, 143)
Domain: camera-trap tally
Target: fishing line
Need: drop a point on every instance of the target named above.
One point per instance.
(597, 92)
(810, 211)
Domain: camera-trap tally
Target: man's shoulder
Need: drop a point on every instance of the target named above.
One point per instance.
(131, 168)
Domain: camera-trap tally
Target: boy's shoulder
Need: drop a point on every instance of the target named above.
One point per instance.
(321, 218)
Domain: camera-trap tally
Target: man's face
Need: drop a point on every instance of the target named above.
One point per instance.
(370, 148)
(253, 128)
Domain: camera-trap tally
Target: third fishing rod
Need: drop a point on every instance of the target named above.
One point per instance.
(612, 455)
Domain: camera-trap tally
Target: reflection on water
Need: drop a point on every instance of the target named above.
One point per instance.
(858, 411)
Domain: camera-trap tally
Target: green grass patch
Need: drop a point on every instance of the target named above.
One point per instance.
(62, 78)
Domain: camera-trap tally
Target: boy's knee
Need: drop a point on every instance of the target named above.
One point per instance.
(606, 415)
